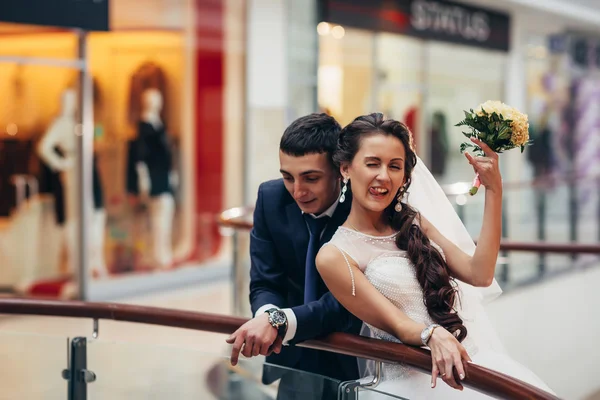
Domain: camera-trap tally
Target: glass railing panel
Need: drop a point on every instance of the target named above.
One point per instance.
(31, 366)
(378, 393)
(524, 268)
(133, 371)
(553, 212)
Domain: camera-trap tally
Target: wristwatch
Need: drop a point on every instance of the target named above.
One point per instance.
(278, 320)
(427, 332)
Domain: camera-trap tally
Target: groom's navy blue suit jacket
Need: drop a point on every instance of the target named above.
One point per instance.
(278, 246)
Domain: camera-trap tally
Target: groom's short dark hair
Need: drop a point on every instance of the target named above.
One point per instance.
(313, 133)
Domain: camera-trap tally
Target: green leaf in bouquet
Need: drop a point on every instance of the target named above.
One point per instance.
(484, 136)
(504, 132)
(482, 125)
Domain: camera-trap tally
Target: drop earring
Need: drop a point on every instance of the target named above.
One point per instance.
(344, 189)
(398, 206)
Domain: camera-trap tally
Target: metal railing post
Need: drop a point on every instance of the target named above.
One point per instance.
(77, 373)
(235, 273)
(350, 390)
(505, 268)
(540, 195)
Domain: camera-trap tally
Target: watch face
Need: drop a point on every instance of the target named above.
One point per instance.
(424, 334)
(278, 317)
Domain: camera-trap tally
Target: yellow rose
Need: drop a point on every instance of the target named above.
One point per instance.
(520, 129)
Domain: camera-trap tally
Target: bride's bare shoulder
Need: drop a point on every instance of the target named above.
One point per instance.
(330, 257)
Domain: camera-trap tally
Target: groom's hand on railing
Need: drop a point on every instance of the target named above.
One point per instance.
(255, 337)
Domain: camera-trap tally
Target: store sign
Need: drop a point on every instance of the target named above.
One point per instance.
(84, 14)
(428, 19)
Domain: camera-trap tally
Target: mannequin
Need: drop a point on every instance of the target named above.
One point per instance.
(156, 177)
(61, 135)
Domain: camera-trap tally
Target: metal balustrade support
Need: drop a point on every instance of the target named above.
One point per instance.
(598, 209)
(77, 374)
(505, 267)
(573, 215)
(540, 195)
(96, 331)
(350, 390)
(235, 274)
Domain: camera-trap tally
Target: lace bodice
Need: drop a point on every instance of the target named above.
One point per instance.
(391, 272)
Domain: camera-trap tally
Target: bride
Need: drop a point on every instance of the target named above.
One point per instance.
(406, 266)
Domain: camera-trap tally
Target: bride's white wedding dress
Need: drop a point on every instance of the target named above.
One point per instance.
(392, 273)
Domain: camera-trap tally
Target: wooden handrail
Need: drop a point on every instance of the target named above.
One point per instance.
(241, 218)
(478, 378)
(237, 218)
(542, 182)
(549, 247)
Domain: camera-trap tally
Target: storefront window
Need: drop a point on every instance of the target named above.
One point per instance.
(138, 92)
(345, 72)
(161, 88)
(400, 80)
(38, 175)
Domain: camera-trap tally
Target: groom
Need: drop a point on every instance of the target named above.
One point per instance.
(293, 217)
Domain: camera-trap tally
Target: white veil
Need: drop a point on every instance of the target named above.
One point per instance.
(428, 198)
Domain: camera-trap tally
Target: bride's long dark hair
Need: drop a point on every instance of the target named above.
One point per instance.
(439, 290)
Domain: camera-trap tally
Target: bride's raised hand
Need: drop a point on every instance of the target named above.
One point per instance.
(487, 167)
(447, 353)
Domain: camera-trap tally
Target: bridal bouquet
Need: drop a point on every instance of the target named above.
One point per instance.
(499, 126)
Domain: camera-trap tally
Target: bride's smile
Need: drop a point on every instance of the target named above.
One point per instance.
(378, 192)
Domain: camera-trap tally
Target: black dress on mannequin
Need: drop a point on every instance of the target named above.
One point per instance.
(51, 183)
(14, 159)
(151, 148)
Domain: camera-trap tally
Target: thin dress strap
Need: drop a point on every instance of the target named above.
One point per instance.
(349, 269)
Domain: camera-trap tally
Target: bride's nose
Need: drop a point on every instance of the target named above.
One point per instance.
(383, 175)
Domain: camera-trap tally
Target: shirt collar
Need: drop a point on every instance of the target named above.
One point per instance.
(329, 212)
